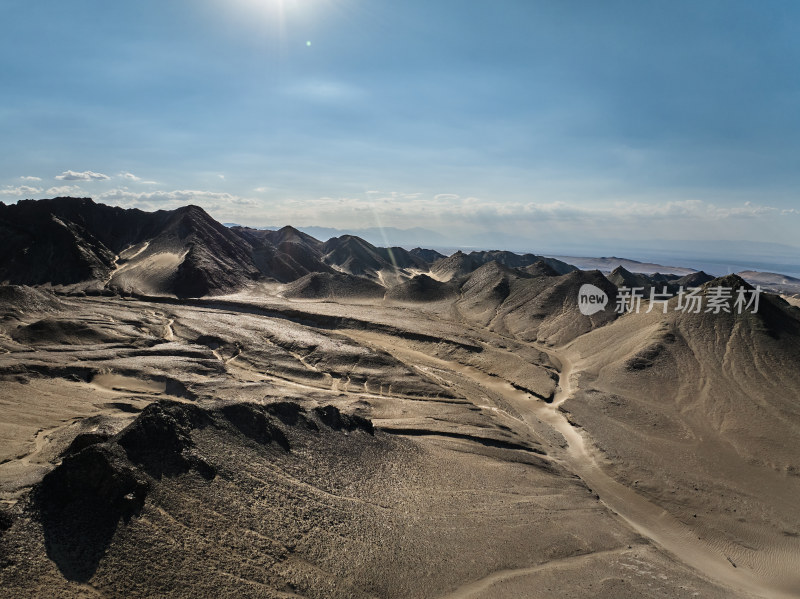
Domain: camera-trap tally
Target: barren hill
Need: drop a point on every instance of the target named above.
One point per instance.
(285, 255)
(701, 413)
(67, 241)
(336, 285)
(532, 307)
(459, 263)
(422, 288)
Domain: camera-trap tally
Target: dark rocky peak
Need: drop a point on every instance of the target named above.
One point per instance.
(695, 279)
(401, 258)
(541, 269)
(289, 234)
(430, 256)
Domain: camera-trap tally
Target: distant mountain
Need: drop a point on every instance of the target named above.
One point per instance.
(624, 278)
(542, 308)
(379, 236)
(78, 244)
(430, 256)
(189, 255)
(459, 263)
(541, 269)
(286, 254)
(608, 264)
(695, 279)
(770, 281)
(355, 256)
(514, 260)
(68, 241)
(455, 265)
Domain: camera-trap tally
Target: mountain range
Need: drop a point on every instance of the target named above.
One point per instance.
(79, 244)
(194, 410)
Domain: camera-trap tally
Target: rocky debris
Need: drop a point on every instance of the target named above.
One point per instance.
(104, 480)
(84, 440)
(333, 418)
(160, 439)
(254, 423)
(6, 520)
(81, 503)
(290, 414)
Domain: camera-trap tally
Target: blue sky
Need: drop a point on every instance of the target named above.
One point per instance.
(553, 121)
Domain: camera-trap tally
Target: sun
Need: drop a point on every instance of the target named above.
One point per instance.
(285, 22)
(274, 13)
(274, 7)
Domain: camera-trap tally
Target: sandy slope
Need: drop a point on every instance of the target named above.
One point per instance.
(476, 483)
(707, 431)
(646, 517)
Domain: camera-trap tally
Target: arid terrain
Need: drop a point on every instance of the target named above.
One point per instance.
(195, 411)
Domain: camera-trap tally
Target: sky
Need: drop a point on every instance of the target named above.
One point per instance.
(546, 123)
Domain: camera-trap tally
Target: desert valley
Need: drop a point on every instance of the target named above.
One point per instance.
(201, 411)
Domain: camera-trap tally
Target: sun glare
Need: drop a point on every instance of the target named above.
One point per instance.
(271, 17)
(275, 8)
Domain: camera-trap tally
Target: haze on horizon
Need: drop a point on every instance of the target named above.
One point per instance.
(600, 124)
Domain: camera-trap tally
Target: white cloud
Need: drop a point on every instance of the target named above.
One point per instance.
(474, 213)
(22, 190)
(63, 190)
(31, 178)
(166, 196)
(156, 200)
(84, 176)
(462, 217)
(135, 179)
